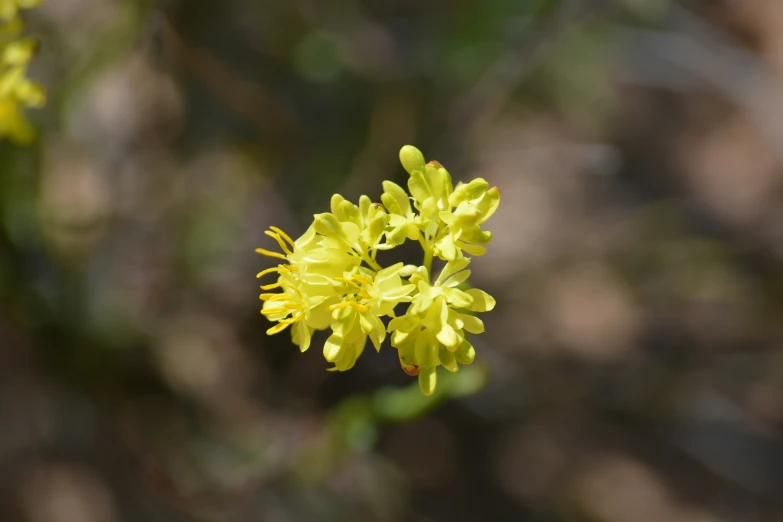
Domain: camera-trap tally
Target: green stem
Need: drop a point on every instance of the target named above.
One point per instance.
(372, 262)
(427, 256)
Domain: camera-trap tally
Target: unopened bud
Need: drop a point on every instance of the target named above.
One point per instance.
(411, 158)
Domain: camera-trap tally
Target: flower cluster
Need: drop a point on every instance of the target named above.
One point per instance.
(16, 90)
(330, 278)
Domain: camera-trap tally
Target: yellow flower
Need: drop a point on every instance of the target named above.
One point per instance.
(9, 9)
(475, 203)
(358, 314)
(403, 223)
(449, 219)
(432, 332)
(363, 225)
(16, 90)
(430, 187)
(330, 277)
(322, 281)
(305, 283)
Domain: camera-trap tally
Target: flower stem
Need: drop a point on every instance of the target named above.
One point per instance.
(427, 256)
(371, 262)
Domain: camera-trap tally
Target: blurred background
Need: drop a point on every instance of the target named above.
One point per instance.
(631, 372)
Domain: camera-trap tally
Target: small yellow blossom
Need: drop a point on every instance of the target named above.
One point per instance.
(357, 315)
(473, 204)
(16, 90)
(432, 332)
(9, 9)
(329, 278)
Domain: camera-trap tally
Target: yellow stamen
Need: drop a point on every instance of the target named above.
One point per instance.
(293, 319)
(352, 304)
(272, 286)
(365, 293)
(269, 253)
(279, 241)
(279, 327)
(284, 236)
(293, 306)
(262, 273)
(275, 297)
(347, 282)
(362, 279)
(344, 304)
(272, 311)
(292, 268)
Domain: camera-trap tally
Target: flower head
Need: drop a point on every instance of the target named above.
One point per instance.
(432, 332)
(357, 315)
(329, 277)
(470, 205)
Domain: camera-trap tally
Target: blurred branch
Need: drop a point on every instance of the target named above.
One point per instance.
(493, 90)
(697, 53)
(245, 99)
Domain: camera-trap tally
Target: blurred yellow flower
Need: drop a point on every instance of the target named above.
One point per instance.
(17, 92)
(9, 9)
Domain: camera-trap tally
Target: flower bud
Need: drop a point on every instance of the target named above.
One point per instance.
(467, 192)
(411, 158)
(408, 366)
(327, 225)
(408, 270)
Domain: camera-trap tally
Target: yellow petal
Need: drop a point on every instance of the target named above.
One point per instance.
(482, 301)
(428, 380)
(333, 347)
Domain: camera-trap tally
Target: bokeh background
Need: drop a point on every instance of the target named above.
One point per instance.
(632, 371)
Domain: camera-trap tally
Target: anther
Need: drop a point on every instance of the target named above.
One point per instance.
(279, 241)
(279, 327)
(274, 297)
(347, 282)
(269, 253)
(284, 236)
(262, 273)
(362, 279)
